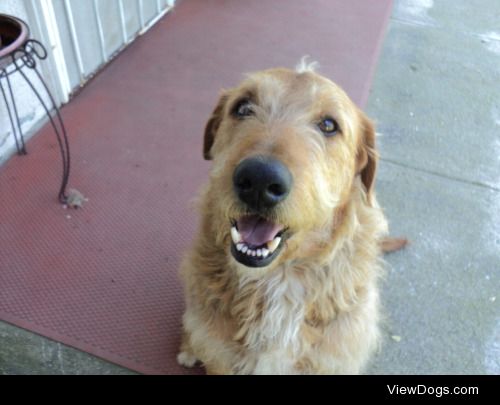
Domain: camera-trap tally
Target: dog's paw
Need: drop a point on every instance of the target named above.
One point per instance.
(186, 359)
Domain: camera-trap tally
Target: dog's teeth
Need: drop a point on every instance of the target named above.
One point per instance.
(254, 253)
(239, 247)
(259, 252)
(273, 244)
(235, 235)
(244, 249)
(265, 252)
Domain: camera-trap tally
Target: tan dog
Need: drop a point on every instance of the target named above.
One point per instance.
(282, 277)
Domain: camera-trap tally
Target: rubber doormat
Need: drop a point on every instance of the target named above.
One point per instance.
(104, 278)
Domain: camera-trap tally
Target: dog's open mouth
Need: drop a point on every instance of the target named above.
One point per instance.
(256, 241)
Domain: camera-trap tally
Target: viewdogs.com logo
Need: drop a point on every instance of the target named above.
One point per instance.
(432, 391)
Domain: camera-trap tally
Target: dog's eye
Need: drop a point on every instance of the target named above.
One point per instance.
(328, 126)
(243, 108)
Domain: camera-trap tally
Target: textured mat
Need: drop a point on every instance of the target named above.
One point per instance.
(104, 278)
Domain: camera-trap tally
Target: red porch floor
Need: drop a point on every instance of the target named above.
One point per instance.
(104, 278)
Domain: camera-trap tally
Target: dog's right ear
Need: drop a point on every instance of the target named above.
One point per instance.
(212, 126)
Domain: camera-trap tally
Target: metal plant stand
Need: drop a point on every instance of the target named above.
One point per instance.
(17, 53)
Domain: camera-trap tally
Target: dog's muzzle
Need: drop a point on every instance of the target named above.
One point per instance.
(260, 183)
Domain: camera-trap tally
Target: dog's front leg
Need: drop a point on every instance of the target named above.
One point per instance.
(186, 357)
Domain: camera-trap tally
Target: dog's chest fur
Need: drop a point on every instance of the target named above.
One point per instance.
(270, 313)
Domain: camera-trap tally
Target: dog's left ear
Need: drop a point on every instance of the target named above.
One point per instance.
(212, 126)
(367, 157)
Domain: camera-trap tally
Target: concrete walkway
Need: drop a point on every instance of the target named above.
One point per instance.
(436, 100)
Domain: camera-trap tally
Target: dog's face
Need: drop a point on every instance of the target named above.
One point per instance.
(286, 148)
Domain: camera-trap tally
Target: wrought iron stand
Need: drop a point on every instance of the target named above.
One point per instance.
(17, 53)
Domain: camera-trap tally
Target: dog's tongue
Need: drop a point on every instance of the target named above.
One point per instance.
(256, 231)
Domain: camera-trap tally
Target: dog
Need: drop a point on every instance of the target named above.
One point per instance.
(282, 276)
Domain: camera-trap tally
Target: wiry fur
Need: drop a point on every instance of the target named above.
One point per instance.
(315, 308)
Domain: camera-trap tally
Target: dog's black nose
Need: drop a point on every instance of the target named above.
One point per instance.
(262, 182)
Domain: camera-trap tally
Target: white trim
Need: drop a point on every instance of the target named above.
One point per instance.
(154, 21)
(122, 21)
(54, 37)
(141, 14)
(74, 39)
(97, 16)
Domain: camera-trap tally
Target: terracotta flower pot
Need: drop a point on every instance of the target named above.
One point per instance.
(13, 35)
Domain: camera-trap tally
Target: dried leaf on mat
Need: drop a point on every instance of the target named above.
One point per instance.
(75, 199)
